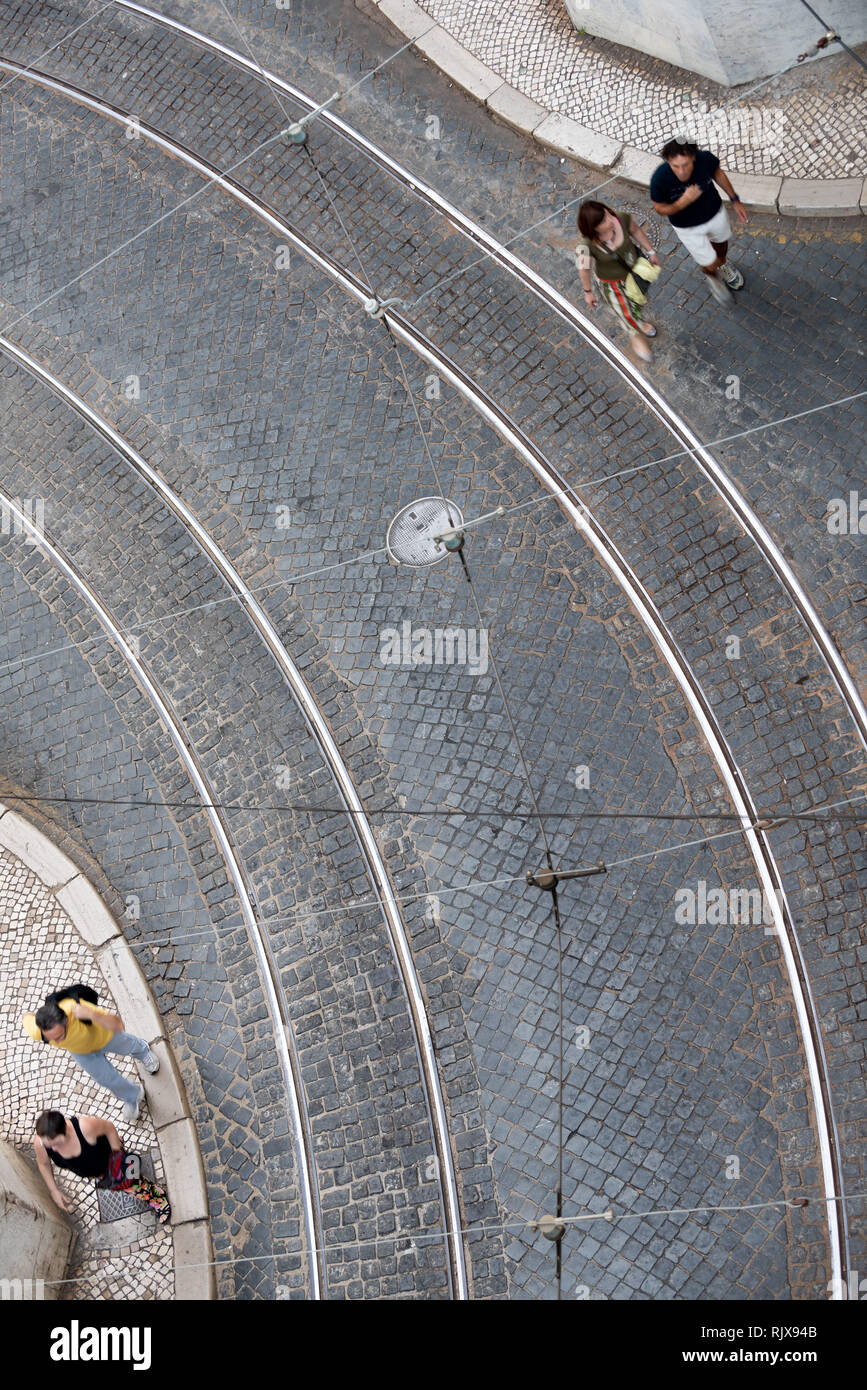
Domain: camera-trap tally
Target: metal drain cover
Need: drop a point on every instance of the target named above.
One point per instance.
(410, 537)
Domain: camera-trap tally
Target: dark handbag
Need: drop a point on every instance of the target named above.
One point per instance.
(122, 1167)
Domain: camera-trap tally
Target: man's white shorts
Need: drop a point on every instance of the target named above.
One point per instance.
(697, 240)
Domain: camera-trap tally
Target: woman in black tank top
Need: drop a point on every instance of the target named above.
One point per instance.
(100, 1157)
(91, 1162)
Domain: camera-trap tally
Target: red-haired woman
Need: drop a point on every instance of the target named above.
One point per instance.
(612, 244)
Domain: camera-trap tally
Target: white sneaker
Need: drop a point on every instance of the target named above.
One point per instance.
(151, 1063)
(132, 1109)
(732, 276)
(718, 289)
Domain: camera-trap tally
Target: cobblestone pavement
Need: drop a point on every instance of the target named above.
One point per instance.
(809, 123)
(354, 980)
(252, 411)
(39, 949)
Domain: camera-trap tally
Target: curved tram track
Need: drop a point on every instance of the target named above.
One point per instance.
(756, 832)
(710, 469)
(284, 1039)
(318, 728)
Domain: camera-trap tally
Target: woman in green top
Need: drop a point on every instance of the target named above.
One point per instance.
(611, 243)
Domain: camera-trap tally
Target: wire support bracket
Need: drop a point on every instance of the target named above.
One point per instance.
(830, 37)
(296, 133)
(453, 536)
(549, 878)
(376, 307)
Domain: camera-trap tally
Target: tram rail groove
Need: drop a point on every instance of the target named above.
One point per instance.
(713, 471)
(584, 521)
(283, 1034)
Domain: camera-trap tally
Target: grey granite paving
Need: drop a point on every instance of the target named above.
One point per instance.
(280, 415)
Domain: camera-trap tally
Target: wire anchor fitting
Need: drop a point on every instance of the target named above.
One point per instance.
(296, 133)
(552, 1227)
(376, 307)
(830, 37)
(549, 878)
(453, 536)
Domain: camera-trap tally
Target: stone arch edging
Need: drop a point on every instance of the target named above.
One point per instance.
(167, 1100)
(791, 197)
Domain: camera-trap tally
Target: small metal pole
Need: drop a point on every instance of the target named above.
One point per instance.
(549, 878)
(296, 133)
(453, 536)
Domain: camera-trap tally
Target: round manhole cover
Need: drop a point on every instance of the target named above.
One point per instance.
(410, 537)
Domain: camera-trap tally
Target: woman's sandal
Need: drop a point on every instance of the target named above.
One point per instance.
(163, 1214)
(648, 330)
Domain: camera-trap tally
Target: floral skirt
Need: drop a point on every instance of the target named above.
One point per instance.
(124, 1173)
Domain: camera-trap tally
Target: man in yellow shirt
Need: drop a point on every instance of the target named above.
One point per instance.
(88, 1033)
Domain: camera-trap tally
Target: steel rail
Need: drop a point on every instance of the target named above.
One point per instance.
(283, 1033)
(320, 731)
(567, 497)
(219, 560)
(713, 471)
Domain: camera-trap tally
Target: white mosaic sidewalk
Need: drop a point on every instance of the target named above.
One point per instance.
(39, 951)
(811, 123)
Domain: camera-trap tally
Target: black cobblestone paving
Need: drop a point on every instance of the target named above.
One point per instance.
(246, 718)
(321, 390)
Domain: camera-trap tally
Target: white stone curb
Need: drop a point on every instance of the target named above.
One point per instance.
(821, 197)
(458, 64)
(556, 131)
(565, 136)
(167, 1099)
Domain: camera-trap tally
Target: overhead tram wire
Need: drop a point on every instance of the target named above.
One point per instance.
(427, 1063)
(778, 817)
(836, 38)
(372, 73)
(366, 279)
(374, 70)
(609, 1216)
(588, 193)
(316, 113)
(519, 749)
(494, 666)
(550, 495)
(359, 557)
(15, 76)
(306, 916)
(320, 109)
(209, 182)
(476, 885)
(291, 580)
(555, 908)
(270, 140)
(206, 605)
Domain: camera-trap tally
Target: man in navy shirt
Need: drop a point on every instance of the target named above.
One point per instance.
(683, 190)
